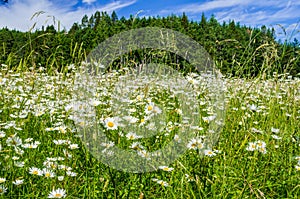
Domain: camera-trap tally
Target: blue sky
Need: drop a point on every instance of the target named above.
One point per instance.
(16, 14)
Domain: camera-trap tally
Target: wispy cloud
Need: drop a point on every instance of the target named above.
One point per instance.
(223, 4)
(67, 12)
(89, 1)
(254, 13)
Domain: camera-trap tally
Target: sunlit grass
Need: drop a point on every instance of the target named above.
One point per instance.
(41, 153)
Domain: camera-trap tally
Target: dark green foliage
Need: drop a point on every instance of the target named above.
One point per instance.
(237, 50)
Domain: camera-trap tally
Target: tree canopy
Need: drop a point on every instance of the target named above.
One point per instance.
(235, 48)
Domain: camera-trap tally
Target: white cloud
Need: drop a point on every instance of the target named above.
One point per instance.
(17, 14)
(223, 4)
(254, 13)
(284, 15)
(89, 1)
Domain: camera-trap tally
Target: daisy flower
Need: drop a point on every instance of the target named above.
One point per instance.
(253, 107)
(50, 164)
(139, 98)
(142, 122)
(60, 178)
(189, 178)
(136, 146)
(179, 111)
(274, 130)
(163, 183)
(149, 108)
(28, 140)
(251, 147)
(2, 134)
(131, 119)
(32, 145)
(48, 173)
(19, 163)
(192, 81)
(156, 110)
(70, 173)
(57, 193)
(2, 81)
(61, 129)
(110, 123)
(59, 142)
(107, 144)
(15, 158)
(73, 146)
(177, 138)
(195, 143)
(18, 182)
(209, 153)
(257, 145)
(64, 167)
(165, 168)
(35, 171)
(95, 102)
(260, 144)
(50, 129)
(209, 118)
(67, 153)
(2, 180)
(144, 154)
(256, 130)
(276, 137)
(3, 189)
(132, 136)
(14, 141)
(19, 151)
(198, 128)
(262, 150)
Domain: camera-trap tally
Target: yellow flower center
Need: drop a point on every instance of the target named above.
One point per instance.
(150, 108)
(139, 97)
(81, 123)
(110, 124)
(35, 172)
(57, 195)
(142, 120)
(47, 174)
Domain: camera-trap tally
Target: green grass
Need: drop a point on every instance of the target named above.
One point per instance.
(36, 108)
(35, 105)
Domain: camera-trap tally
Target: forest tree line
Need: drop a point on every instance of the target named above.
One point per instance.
(236, 49)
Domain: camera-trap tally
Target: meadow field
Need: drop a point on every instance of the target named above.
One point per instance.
(42, 154)
(191, 135)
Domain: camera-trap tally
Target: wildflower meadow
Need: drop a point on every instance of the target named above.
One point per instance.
(184, 135)
(257, 155)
